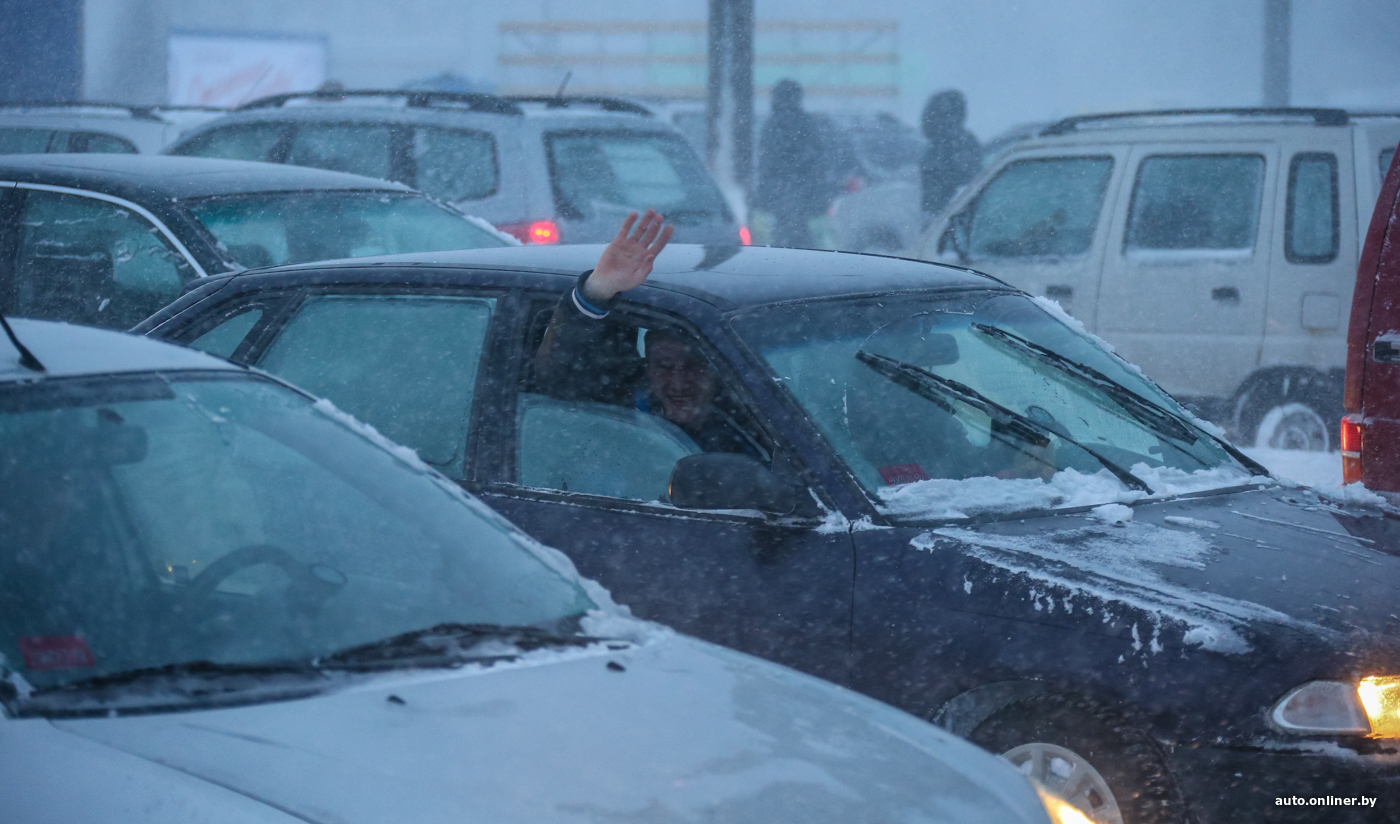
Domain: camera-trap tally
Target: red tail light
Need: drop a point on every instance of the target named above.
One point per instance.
(1353, 433)
(744, 236)
(538, 232)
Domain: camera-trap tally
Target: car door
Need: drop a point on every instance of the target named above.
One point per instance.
(1039, 224)
(1185, 277)
(85, 257)
(404, 360)
(587, 477)
(1314, 253)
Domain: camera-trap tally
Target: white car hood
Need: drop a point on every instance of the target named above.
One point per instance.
(684, 732)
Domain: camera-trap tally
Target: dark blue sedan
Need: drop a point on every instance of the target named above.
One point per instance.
(941, 493)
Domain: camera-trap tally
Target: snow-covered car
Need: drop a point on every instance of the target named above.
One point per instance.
(946, 495)
(224, 601)
(107, 239)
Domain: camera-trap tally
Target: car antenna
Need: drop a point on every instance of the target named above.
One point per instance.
(559, 95)
(26, 358)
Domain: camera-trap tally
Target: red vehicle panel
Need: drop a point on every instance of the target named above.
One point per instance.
(1371, 430)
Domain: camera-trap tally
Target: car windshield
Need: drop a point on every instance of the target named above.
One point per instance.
(604, 174)
(272, 228)
(157, 521)
(946, 407)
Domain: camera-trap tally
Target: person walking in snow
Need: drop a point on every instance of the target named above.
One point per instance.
(793, 178)
(953, 155)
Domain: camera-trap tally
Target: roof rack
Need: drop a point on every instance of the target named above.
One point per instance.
(1322, 117)
(607, 104)
(474, 101)
(138, 112)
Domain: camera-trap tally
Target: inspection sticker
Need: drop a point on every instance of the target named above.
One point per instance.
(43, 652)
(902, 473)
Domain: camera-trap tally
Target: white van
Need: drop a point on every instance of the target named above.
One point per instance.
(1217, 248)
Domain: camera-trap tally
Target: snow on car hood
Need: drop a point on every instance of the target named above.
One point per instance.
(672, 730)
(1216, 567)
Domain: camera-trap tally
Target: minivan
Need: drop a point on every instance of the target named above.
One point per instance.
(1215, 248)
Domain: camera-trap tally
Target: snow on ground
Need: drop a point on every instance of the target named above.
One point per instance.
(1320, 470)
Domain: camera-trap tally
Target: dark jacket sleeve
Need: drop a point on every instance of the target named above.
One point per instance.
(584, 356)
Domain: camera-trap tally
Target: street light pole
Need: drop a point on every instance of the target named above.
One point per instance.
(729, 95)
(1277, 47)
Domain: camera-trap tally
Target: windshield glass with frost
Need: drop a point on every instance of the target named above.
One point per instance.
(273, 228)
(945, 407)
(150, 522)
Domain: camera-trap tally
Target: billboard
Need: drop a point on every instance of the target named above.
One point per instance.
(227, 70)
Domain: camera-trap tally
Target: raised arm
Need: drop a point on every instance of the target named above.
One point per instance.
(627, 261)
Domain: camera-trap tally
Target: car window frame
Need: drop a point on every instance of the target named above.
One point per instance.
(1294, 162)
(500, 472)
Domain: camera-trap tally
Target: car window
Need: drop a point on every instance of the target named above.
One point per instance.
(596, 448)
(223, 340)
(343, 147)
(85, 260)
(1196, 202)
(24, 140)
(250, 141)
(272, 228)
(404, 364)
(1312, 230)
(604, 173)
(455, 164)
(134, 489)
(1039, 207)
(95, 143)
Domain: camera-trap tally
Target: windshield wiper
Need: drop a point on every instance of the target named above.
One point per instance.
(170, 672)
(926, 384)
(447, 643)
(1144, 411)
(1159, 420)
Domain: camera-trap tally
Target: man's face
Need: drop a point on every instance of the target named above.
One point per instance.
(682, 379)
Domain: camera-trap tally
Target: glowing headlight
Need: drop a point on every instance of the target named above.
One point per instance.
(1322, 707)
(1380, 697)
(1060, 810)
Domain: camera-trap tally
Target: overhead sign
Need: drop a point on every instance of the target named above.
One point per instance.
(224, 70)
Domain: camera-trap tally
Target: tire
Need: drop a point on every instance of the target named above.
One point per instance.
(1291, 409)
(1120, 773)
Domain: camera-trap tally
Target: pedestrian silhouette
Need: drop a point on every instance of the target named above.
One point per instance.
(793, 178)
(953, 155)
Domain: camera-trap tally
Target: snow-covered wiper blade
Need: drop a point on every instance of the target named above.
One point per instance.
(197, 670)
(1146, 412)
(937, 389)
(446, 644)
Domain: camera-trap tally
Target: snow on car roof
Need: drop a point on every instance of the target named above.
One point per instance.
(68, 350)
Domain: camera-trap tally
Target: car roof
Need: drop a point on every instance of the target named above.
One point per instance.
(729, 276)
(68, 350)
(130, 175)
(352, 110)
(1097, 125)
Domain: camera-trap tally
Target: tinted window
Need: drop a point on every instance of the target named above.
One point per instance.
(293, 227)
(20, 140)
(455, 164)
(252, 141)
(1196, 202)
(406, 365)
(1311, 234)
(342, 147)
(85, 260)
(612, 173)
(223, 339)
(1040, 207)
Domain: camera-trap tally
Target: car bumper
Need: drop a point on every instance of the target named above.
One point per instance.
(1248, 785)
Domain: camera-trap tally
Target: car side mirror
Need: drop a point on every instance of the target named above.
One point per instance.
(719, 480)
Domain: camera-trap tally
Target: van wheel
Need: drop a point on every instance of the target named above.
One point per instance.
(1287, 408)
(1090, 755)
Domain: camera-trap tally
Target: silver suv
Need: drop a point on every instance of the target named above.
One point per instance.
(88, 127)
(1215, 248)
(547, 170)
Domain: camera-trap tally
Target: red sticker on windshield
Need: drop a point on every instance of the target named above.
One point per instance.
(43, 652)
(902, 474)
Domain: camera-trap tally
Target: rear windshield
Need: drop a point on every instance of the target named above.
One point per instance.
(598, 174)
(272, 228)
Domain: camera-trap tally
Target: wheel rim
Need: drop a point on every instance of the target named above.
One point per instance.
(1293, 426)
(1070, 776)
